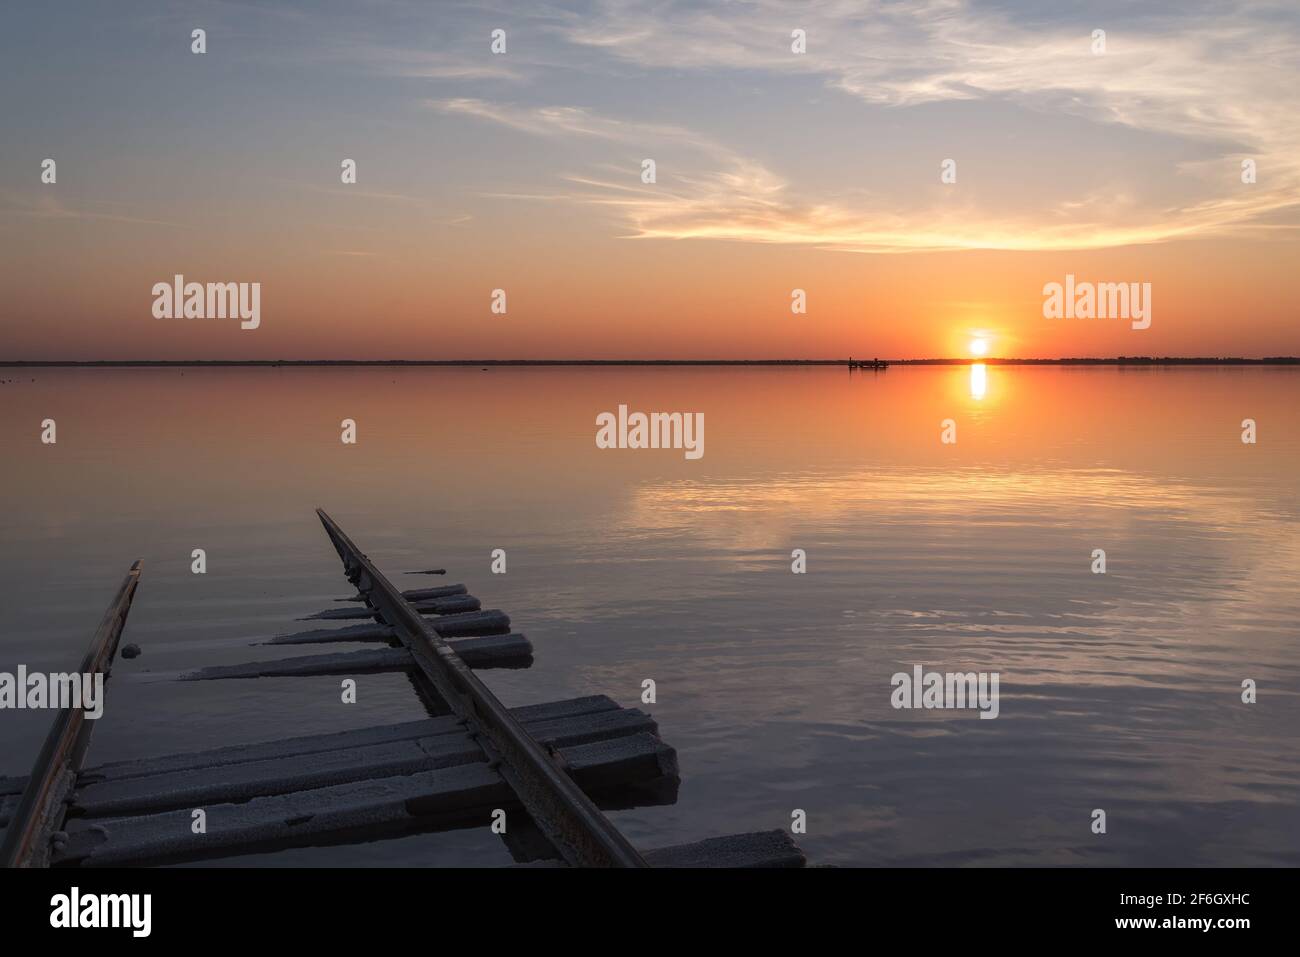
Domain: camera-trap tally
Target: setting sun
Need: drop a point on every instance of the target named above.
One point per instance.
(979, 347)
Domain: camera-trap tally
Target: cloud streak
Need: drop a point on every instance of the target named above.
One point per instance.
(1222, 84)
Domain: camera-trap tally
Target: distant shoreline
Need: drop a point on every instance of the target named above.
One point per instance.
(259, 363)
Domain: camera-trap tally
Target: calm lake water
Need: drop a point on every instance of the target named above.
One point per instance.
(1119, 691)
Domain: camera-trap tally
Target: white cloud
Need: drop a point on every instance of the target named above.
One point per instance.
(1226, 81)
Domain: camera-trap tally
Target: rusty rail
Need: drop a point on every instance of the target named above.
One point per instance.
(26, 841)
(577, 829)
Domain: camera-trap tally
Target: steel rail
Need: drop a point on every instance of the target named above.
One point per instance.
(569, 819)
(26, 841)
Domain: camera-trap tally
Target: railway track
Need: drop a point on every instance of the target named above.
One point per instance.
(34, 812)
(549, 769)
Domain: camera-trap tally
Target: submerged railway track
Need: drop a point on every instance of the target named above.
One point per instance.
(550, 769)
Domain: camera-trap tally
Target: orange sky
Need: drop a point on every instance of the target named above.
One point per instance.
(776, 171)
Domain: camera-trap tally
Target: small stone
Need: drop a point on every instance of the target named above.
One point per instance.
(131, 651)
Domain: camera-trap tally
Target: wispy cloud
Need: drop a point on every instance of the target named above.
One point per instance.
(725, 196)
(50, 208)
(461, 65)
(1222, 84)
(579, 121)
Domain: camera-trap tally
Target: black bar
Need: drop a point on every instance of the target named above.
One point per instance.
(928, 911)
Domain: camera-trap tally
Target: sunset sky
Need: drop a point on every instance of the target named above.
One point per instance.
(775, 171)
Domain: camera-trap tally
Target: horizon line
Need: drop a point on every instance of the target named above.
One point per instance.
(1066, 360)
